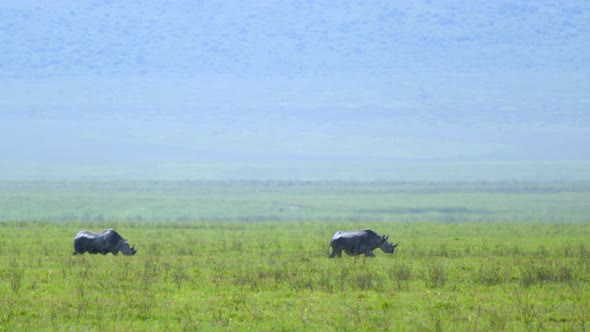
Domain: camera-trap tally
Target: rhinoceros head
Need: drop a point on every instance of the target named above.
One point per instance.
(386, 246)
(126, 249)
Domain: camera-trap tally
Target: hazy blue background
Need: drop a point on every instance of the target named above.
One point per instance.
(295, 89)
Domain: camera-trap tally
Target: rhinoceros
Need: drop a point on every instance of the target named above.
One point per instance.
(105, 242)
(359, 242)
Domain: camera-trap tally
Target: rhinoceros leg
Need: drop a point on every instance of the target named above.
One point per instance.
(369, 253)
(335, 252)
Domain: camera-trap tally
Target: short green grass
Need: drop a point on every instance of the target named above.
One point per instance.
(272, 275)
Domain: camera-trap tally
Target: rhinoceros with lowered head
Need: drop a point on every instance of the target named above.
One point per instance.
(361, 242)
(105, 242)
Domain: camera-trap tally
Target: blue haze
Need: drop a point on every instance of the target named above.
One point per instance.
(295, 89)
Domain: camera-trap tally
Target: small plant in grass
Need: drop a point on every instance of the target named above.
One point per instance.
(179, 275)
(436, 275)
(15, 276)
(368, 280)
(326, 282)
(402, 273)
(526, 308)
(544, 273)
(489, 274)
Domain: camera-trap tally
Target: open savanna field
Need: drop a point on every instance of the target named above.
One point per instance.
(253, 255)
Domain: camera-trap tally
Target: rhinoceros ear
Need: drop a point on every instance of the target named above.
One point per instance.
(385, 237)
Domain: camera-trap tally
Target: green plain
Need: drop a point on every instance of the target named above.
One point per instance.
(253, 256)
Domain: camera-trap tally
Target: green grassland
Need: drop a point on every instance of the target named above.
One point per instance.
(254, 256)
(295, 201)
(276, 276)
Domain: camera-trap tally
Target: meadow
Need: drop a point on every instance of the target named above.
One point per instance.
(462, 262)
